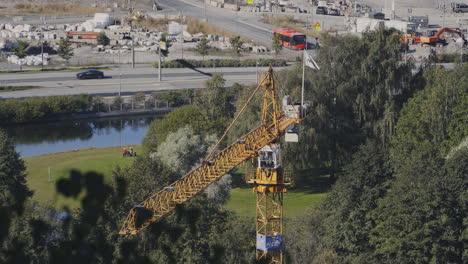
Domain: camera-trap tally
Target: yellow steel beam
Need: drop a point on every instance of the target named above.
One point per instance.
(164, 202)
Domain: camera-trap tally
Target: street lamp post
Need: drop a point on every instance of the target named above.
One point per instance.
(120, 83)
(206, 20)
(159, 64)
(42, 43)
(120, 71)
(42, 49)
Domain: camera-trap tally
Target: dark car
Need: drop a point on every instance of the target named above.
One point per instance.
(321, 10)
(90, 74)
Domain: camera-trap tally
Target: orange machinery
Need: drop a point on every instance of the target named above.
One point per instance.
(437, 37)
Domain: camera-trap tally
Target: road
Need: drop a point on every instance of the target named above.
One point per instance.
(250, 28)
(132, 81)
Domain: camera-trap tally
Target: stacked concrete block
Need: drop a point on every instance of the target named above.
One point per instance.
(176, 28)
(29, 60)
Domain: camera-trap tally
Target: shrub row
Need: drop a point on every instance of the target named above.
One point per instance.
(220, 63)
(37, 108)
(450, 57)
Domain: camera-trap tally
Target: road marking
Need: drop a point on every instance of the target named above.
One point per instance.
(192, 4)
(252, 25)
(148, 82)
(257, 27)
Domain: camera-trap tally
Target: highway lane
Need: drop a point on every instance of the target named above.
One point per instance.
(70, 76)
(138, 80)
(126, 88)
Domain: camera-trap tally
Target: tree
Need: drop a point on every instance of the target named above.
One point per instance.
(12, 176)
(183, 149)
(236, 44)
(347, 212)
(215, 100)
(20, 50)
(118, 100)
(420, 220)
(173, 99)
(436, 114)
(277, 47)
(188, 115)
(194, 233)
(202, 47)
(65, 50)
(13, 196)
(102, 39)
(139, 97)
(348, 103)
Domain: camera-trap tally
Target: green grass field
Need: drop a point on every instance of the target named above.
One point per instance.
(295, 202)
(101, 160)
(104, 160)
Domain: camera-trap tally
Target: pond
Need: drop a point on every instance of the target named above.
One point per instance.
(59, 136)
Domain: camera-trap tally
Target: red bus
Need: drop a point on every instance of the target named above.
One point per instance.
(291, 39)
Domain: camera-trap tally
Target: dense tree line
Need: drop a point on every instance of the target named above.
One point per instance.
(220, 63)
(37, 108)
(402, 197)
(393, 138)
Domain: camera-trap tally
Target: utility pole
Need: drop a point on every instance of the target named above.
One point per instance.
(206, 19)
(462, 43)
(159, 64)
(42, 48)
(303, 77)
(133, 48)
(443, 17)
(183, 40)
(120, 72)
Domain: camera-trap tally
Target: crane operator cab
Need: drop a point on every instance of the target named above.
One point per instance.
(293, 111)
(269, 171)
(269, 157)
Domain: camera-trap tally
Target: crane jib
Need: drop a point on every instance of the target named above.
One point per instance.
(165, 201)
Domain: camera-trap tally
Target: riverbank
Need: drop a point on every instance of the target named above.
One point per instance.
(138, 112)
(59, 108)
(104, 160)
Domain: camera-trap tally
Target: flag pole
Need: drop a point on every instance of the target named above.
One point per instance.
(303, 76)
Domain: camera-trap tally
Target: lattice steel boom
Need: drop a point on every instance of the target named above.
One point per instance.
(274, 124)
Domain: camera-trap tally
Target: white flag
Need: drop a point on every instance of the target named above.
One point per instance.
(310, 62)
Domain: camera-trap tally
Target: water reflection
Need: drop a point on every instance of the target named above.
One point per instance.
(50, 137)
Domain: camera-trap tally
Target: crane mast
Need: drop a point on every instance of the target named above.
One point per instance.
(269, 180)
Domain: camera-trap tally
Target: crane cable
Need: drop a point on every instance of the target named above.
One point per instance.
(237, 117)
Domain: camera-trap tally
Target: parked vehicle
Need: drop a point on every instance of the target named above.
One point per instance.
(291, 38)
(333, 12)
(90, 74)
(321, 10)
(377, 15)
(460, 8)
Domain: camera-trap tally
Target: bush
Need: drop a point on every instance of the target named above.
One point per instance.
(173, 99)
(450, 57)
(102, 39)
(37, 108)
(220, 63)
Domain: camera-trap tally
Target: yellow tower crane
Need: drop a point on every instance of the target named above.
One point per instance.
(269, 180)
